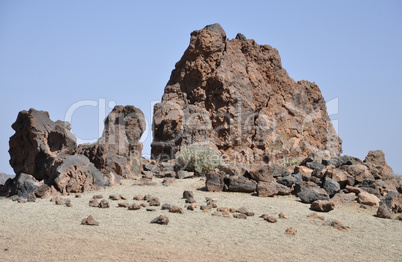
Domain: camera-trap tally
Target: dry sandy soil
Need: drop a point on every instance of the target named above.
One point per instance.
(43, 231)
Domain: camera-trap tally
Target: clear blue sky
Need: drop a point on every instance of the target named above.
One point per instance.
(54, 54)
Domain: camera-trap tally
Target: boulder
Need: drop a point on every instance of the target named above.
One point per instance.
(368, 199)
(181, 174)
(396, 204)
(383, 212)
(23, 185)
(118, 150)
(104, 204)
(309, 194)
(338, 175)
(267, 173)
(343, 199)
(214, 181)
(331, 186)
(235, 96)
(4, 177)
(375, 161)
(359, 172)
(38, 142)
(266, 189)
(322, 206)
(241, 184)
(288, 181)
(77, 175)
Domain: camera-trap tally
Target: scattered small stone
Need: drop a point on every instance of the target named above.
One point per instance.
(249, 214)
(384, 212)
(31, 198)
(282, 215)
(22, 201)
(144, 182)
(16, 197)
(270, 219)
(264, 216)
(60, 202)
(232, 210)
(161, 220)
(190, 200)
(188, 194)
(290, 231)
(147, 174)
(190, 207)
(115, 197)
(134, 207)
(176, 209)
(363, 206)
(93, 203)
(165, 206)
(168, 181)
(336, 224)
(89, 221)
(203, 207)
(68, 204)
(148, 197)
(123, 197)
(122, 204)
(97, 197)
(240, 216)
(322, 206)
(104, 204)
(316, 216)
(144, 204)
(78, 196)
(154, 202)
(150, 209)
(242, 210)
(138, 197)
(223, 209)
(399, 218)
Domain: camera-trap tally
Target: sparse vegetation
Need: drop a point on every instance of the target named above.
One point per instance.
(197, 159)
(395, 176)
(290, 162)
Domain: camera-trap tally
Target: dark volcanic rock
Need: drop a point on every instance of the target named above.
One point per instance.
(4, 177)
(322, 206)
(119, 149)
(161, 220)
(331, 186)
(215, 181)
(241, 184)
(311, 192)
(235, 96)
(23, 185)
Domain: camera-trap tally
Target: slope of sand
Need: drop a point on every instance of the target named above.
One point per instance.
(43, 231)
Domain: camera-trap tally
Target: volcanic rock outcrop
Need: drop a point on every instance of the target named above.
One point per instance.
(118, 150)
(44, 153)
(235, 96)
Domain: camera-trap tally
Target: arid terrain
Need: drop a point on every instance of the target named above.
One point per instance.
(44, 231)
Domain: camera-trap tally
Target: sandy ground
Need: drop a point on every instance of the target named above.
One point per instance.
(43, 231)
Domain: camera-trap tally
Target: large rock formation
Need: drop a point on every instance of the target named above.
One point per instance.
(45, 152)
(118, 150)
(235, 96)
(39, 143)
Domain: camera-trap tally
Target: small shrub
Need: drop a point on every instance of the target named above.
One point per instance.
(290, 162)
(197, 159)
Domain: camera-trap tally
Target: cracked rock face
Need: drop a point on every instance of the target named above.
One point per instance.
(235, 96)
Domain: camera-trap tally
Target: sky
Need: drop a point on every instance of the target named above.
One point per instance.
(77, 59)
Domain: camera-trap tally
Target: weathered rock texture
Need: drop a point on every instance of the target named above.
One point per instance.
(119, 149)
(235, 96)
(38, 143)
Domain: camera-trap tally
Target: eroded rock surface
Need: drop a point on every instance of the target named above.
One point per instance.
(235, 96)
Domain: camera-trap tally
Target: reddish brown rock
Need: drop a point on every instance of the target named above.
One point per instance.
(123, 204)
(154, 202)
(359, 172)
(375, 161)
(118, 150)
(168, 181)
(176, 209)
(270, 219)
(115, 197)
(134, 207)
(161, 220)
(89, 221)
(266, 189)
(343, 199)
(396, 204)
(97, 196)
(368, 199)
(37, 143)
(215, 182)
(188, 194)
(138, 197)
(93, 203)
(282, 215)
(316, 216)
(144, 182)
(384, 212)
(322, 206)
(338, 175)
(290, 231)
(235, 96)
(104, 204)
(336, 224)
